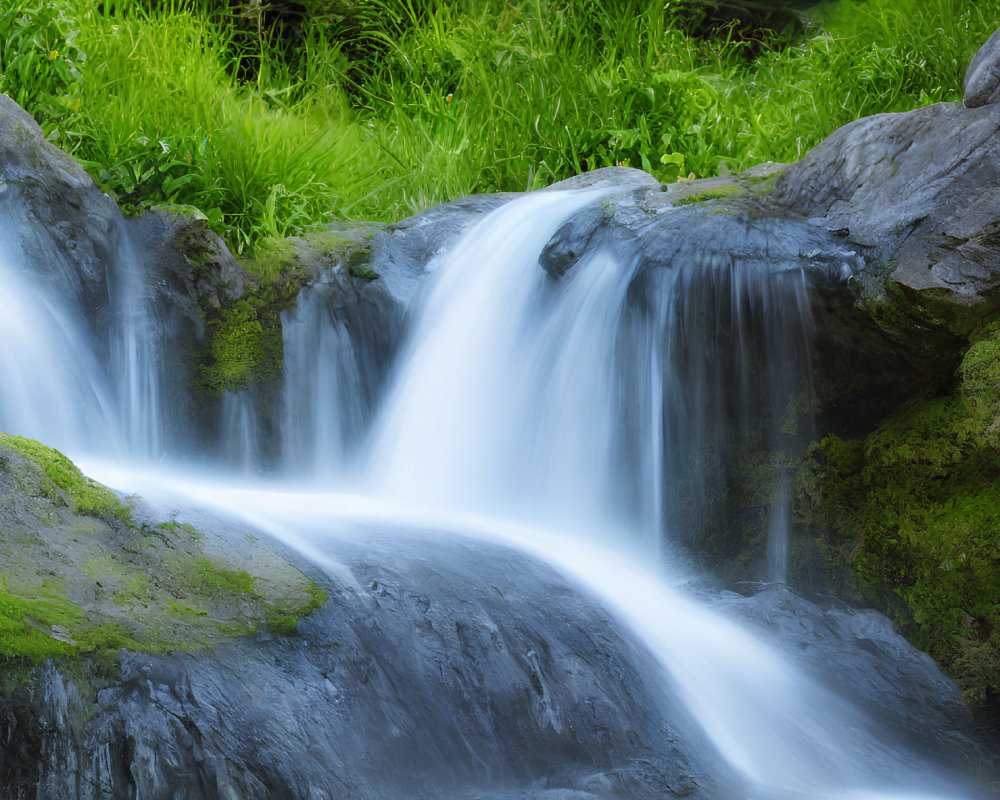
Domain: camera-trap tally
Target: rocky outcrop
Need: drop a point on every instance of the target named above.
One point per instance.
(918, 193)
(183, 664)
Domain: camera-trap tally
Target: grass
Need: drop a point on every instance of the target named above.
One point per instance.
(377, 109)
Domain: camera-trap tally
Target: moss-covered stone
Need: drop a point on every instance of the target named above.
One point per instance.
(908, 519)
(75, 586)
(243, 342)
(84, 495)
(242, 346)
(719, 192)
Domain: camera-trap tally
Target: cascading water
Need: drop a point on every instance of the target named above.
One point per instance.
(51, 385)
(79, 384)
(570, 419)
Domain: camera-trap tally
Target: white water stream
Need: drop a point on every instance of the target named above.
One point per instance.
(544, 415)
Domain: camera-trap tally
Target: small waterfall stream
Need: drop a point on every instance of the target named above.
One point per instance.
(570, 419)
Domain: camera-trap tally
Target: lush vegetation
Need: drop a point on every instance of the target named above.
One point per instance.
(270, 122)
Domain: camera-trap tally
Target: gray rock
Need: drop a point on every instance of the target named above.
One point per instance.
(478, 673)
(573, 240)
(56, 214)
(860, 655)
(920, 192)
(982, 78)
(918, 195)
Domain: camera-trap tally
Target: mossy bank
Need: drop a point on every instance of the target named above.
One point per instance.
(904, 518)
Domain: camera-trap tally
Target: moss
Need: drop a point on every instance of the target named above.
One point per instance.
(283, 618)
(187, 527)
(979, 372)
(243, 343)
(76, 591)
(242, 346)
(911, 512)
(33, 628)
(715, 193)
(219, 579)
(84, 495)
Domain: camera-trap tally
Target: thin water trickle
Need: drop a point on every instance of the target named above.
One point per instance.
(566, 419)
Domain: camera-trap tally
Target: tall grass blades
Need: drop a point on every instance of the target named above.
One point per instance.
(380, 108)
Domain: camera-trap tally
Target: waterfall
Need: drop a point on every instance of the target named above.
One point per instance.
(583, 420)
(604, 400)
(81, 373)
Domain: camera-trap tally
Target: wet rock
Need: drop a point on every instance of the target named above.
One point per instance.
(54, 209)
(982, 79)
(193, 263)
(573, 240)
(480, 673)
(859, 654)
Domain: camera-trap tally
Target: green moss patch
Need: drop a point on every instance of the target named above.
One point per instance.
(73, 586)
(67, 482)
(243, 342)
(908, 518)
(715, 193)
(242, 346)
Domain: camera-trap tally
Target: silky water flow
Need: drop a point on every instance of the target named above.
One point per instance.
(566, 419)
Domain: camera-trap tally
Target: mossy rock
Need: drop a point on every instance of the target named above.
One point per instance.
(79, 578)
(908, 520)
(243, 343)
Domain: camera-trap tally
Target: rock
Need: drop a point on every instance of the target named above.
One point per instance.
(191, 262)
(573, 240)
(51, 205)
(982, 79)
(502, 679)
(859, 654)
(919, 192)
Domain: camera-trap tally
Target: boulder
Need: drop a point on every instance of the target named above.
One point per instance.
(478, 671)
(982, 79)
(919, 194)
(56, 214)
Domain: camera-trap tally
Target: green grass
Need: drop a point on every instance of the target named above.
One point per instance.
(375, 109)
